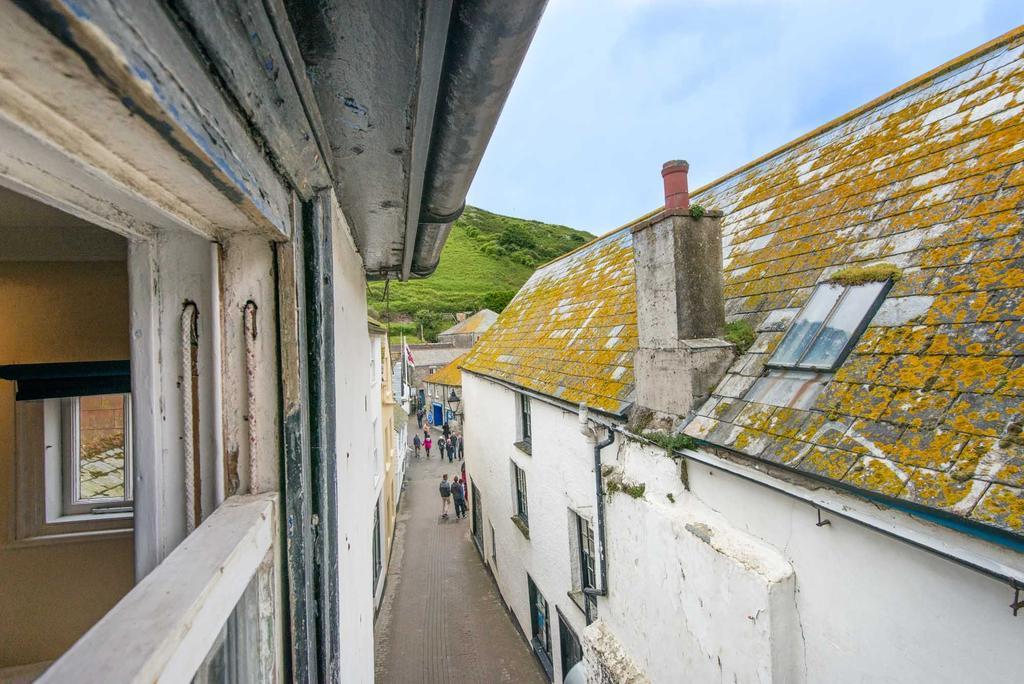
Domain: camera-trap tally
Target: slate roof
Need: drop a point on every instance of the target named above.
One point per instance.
(477, 323)
(570, 332)
(927, 408)
(449, 374)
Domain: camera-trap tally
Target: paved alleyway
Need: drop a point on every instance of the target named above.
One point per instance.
(441, 619)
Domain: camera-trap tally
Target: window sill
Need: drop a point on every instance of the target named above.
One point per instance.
(543, 657)
(523, 526)
(524, 446)
(577, 598)
(77, 537)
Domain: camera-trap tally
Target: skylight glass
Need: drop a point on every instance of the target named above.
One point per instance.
(829, 325)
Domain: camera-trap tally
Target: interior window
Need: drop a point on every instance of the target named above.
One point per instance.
(829, 325)
(96, 454)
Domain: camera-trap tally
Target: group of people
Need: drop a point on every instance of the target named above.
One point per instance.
(448, 444)
(454, 490)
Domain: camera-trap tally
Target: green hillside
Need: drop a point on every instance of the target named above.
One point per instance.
(485, 261)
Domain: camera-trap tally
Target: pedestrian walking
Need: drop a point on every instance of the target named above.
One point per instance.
(419, 417)
(446, 495)
(451, 450)
(459, 446)
(442, 445)
(447, 430)
(459, 495)
(427, 443)
(416, 444)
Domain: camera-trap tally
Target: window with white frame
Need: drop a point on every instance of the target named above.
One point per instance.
(95, 450)
(73, 448)
(828, 326)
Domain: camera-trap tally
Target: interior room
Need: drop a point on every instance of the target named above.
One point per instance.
(66, 539)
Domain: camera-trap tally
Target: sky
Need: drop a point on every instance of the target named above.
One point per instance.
(611, 89)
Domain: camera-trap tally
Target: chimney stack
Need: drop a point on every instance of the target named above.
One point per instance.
(680, 302)
(677, 194)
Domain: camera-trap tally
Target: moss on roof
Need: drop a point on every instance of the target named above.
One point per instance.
(449, 374)
(930, 180)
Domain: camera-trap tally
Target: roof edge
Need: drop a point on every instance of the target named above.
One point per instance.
(600, 237)
(544, 396)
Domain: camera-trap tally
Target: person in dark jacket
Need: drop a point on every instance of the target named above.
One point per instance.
(446, 495)
(416, 444)
(459, 495)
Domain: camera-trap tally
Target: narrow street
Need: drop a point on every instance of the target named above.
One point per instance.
(441, 619)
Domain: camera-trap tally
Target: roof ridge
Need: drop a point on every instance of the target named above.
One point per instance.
(599, 238)
(892, 94)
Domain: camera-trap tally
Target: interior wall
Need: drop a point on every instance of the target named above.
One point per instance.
(51, 594)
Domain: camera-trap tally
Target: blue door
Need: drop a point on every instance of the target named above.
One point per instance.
(438, 415)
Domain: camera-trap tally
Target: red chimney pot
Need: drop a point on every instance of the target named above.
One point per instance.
(677, 193)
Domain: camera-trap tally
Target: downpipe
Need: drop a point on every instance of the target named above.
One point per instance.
(590, 431)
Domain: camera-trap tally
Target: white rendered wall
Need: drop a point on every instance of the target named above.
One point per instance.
(559, 476)
(731, 571)
(867, 607)
(356, 495)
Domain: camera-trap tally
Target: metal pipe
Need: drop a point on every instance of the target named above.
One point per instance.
(602, 562)
(487, 41)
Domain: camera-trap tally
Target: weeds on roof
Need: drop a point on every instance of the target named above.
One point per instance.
(697, 211)
(858, 275)
(741, 334)
(671, 442)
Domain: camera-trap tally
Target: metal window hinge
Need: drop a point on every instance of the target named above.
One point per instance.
(1018, 603)
(821, 523)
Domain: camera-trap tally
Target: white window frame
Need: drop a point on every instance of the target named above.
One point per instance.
(70, 455)
(39, 464)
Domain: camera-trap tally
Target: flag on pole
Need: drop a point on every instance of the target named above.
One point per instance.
(408, 355)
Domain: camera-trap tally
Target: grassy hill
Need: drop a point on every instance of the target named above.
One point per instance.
(485, 261)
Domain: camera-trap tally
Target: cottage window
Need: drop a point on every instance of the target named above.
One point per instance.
(378, 561)
(522, 516)
(831, 322)
(95, 448)
(582, 564)
(572, 651)
(524, 425)
(540, 626)
(74, 462)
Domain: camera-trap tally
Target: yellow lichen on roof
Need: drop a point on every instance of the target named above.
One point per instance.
(570, 332)
(449, 374)
(478, 322)
(930, 180)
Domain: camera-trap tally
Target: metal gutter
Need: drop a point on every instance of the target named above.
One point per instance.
(487, 42)
(859, 510)
(974, 560)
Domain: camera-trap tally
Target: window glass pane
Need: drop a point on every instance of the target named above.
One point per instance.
(801, 333)
(832, 340)
(101, 447)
